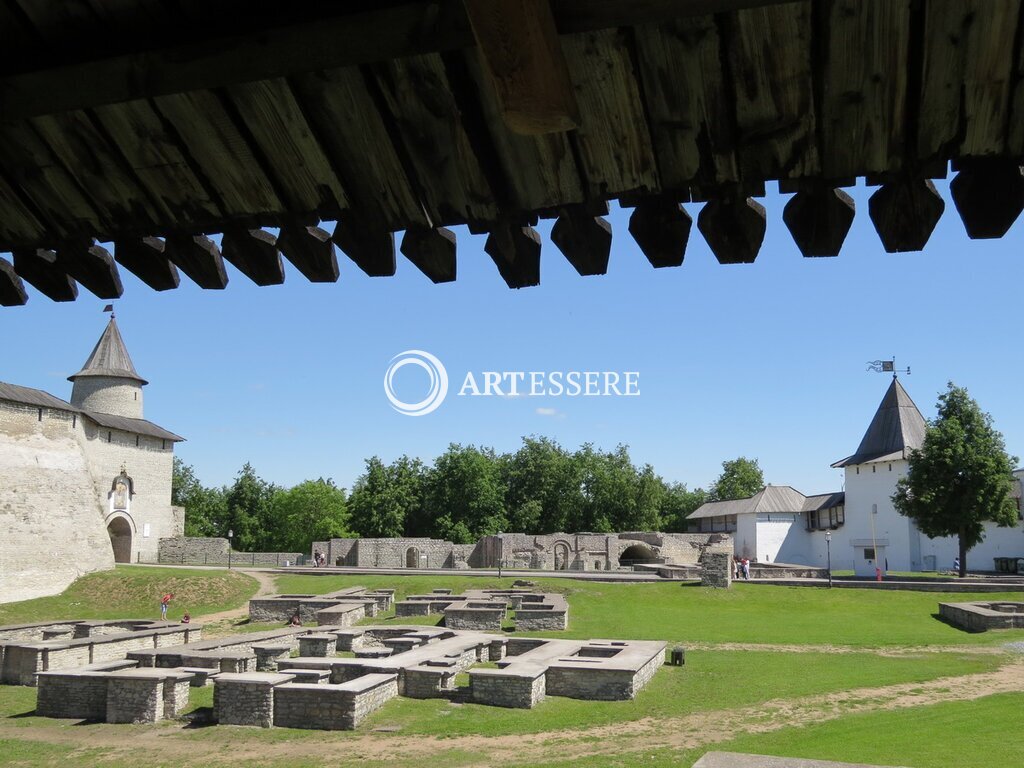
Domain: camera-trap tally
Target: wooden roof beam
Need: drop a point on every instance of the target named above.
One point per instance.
(92, 266)
(281, 50)
(585, 240)
(520, 51)
(515, 250)
(905, 213)
(432, 251)
(311, 251)
(199, 258)
(39, 268)
(12, 290)
(144, 257)
(661, 227)
(254, 253)
(371, 248)
(734, 227)
(989, 195)
(819, 220)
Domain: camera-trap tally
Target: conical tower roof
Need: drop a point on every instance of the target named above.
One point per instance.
(110, 357)
(897, 428)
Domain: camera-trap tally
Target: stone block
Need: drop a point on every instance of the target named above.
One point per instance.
(246, 698)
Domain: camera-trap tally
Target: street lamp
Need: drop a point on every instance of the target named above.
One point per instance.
(231, 534)
(828, 550)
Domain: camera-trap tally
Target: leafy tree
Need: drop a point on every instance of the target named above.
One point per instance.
(677, 503)
(542, 483)
(250, 513)
(386, 499)
(205, 508)
(615, 495)
(740, 478)
(466, 492)
(961, 476)
(314, 510)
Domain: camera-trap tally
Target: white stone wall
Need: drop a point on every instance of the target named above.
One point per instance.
(52, 523)
(117, 396)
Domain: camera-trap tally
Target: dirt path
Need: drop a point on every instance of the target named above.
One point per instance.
(268, 586)
(690, 731)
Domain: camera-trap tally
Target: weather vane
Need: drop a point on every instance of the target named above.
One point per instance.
(887, 366)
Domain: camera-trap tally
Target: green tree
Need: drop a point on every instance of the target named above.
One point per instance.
(616, 496)
(387, 500)
(961, 476)
(466, 493)
(205, 508)
(250, 513)
(314, 510)
(676, 505)
(740, 478)
(542, 482)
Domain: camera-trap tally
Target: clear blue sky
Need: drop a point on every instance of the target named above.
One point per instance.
(764, 360)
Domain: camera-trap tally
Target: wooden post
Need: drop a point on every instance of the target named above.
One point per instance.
(905, 213)
(584, 239)
(734, 227)
(254, 253)
(370, 247)
(819, 220)
(311, 250)
(989, 195)
(199, 258)
(92, 266)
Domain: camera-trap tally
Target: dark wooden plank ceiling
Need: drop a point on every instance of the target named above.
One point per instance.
(126, 121)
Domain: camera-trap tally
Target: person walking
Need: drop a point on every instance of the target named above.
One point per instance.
(164, 602)
(746, 569)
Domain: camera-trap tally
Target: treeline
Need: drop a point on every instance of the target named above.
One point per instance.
(467, 492)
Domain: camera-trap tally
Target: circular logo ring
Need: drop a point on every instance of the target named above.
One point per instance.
(438, 382)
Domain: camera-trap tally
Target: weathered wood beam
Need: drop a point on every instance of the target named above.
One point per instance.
(254, 253)
(199, 258)
(819, 220)
(311, 251)
(734, 227)
(281, 50)
(989, 196)
(432, 251)
(92, 266)
(39, 268)
(661, 227)
(12, 290)
(519, 48)
(905, 213)
(585, 240)
(515, 250)
(372, 249)
(144, 257)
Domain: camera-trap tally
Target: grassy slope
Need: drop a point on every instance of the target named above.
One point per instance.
(134, 592)
(747, 613)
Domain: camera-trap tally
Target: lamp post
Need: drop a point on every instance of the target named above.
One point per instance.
(501, 552)
(231, 534)
(828, 550)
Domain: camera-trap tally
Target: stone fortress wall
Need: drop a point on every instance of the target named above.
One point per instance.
(555, 551)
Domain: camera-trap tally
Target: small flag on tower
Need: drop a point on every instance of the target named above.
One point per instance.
(108, 308)
(888, 365)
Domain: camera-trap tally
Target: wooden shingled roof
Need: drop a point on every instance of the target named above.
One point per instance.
(153, 124)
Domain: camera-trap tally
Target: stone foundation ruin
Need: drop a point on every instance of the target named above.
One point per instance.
(983, 616)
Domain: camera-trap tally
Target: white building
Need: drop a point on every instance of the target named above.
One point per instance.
(780, 524)
(83, 484)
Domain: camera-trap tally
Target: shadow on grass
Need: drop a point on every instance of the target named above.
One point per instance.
(201, 717)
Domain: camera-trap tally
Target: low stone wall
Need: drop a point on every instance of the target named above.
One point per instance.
(81, 695)
(332, 707)
(523, 688)
(983, 616)
(195, 550)
(246, 699)
(428, 682)
(135, 700)
(474, 619)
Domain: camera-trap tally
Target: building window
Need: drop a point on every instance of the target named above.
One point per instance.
(40, 414)
(74, 420)
(110, 437)
(812, 520)
(836, 516)
(869, 553)
(136, 441)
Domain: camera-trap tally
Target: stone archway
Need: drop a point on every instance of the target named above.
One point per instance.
(561, 551)
(120, 532)
(412, 557)
(637, 553)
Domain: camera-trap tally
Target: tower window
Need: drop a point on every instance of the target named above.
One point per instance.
(163, 445)
(110, 437)
(136, 441)
(40, 414)
(74, 420)
(136, 395)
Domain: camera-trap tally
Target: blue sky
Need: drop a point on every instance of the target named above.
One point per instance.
(764, 360)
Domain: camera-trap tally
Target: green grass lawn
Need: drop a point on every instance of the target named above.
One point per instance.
(718, 681)
(746, 613)
(133, 592)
